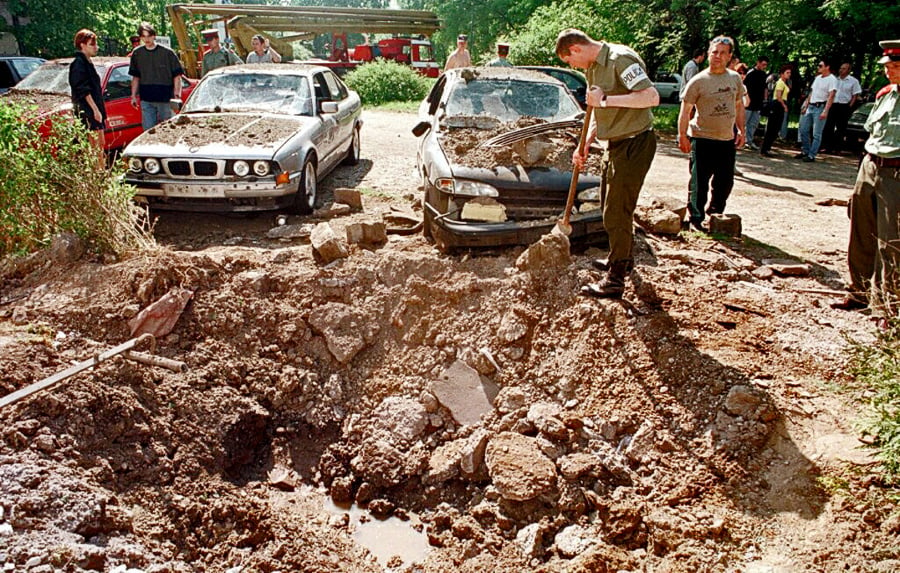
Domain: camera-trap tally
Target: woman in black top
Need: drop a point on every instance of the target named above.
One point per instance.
(87, 94)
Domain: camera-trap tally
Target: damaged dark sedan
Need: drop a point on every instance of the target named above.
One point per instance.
(495, 156)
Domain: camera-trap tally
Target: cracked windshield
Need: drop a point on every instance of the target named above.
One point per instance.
(510, 100)
(252, 92)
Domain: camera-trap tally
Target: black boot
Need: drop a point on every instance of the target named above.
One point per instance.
(613, 286)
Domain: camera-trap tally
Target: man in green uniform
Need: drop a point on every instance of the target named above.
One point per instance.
(217, 56)
(874, 250)
(621, 95)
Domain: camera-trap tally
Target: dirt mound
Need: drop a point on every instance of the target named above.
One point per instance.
(612, 433)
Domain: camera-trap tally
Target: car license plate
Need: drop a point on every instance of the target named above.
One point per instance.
(181, 190)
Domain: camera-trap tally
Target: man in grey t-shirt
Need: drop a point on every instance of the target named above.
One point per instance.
(691, 69)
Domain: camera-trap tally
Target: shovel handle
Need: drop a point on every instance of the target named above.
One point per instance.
(570, 201)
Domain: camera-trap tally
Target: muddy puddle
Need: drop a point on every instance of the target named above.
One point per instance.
(396, 543)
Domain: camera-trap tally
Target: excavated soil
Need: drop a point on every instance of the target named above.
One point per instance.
(703, 423)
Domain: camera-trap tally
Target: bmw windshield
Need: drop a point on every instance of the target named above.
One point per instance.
(272, 93)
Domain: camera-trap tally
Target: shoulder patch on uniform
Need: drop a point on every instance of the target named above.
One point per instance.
(884, 91)
(633, 75)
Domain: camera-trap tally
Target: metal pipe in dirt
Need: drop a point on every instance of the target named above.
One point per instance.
(71, 371)
(564, 225)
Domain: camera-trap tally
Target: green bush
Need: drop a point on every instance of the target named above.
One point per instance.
(52, 182)
(383, 81)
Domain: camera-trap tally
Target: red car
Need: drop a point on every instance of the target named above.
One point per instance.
(48, 88)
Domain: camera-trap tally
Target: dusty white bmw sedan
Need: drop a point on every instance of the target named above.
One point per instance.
(249, 138)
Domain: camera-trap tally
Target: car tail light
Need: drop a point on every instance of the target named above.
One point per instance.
(261, 168)
(241, 168)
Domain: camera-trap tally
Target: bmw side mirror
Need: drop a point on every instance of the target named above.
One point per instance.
(421, 128)
(329, 107)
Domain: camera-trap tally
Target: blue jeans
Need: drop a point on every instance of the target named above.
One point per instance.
(752, 122)
(784, 124)
(154, 112)
(811, 128)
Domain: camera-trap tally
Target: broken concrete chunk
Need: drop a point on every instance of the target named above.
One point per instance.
(472, 454)
(764, 273)
(443, 464)
(517, 467)
(787, 267)
(405, 419)
(546, 417)
(642, 443)
(349, 197)
(345, 329)
(749, 403)
(369, 232)
(510, 399)
(327, 247)
(529, 541)
(725, 224)
(464, 392)
(533, 150)
(574, 540)
(675, 205)
(574, 466)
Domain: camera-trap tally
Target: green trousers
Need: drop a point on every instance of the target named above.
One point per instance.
(629, 161)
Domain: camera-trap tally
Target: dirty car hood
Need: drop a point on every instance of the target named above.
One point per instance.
(215, 132)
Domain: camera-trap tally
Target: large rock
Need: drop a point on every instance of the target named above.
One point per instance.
(345, 329)
(463, 391)
(327, 247)
(749, 403)
(66, 248)
(518, 468)
(549, 253)
(290, 231)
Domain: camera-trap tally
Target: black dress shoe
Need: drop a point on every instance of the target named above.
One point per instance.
(699, 226)
(849, 303)
(808, 160)
(800, 156)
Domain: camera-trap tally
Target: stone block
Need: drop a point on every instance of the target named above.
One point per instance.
(725, 224)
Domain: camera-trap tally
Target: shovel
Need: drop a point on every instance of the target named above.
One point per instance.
(563, 226)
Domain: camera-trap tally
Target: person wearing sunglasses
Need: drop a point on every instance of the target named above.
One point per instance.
(814, 112)
(711, 125)
(87, 93)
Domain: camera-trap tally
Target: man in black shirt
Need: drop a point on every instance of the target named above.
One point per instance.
(755, 82)
(155, 76)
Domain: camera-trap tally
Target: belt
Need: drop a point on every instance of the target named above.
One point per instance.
(817, 103)
(884, 161)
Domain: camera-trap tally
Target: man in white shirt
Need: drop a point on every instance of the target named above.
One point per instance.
(814, 112)
(848, 89)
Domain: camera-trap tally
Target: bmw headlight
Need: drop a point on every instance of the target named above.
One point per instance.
(135, 164)
(261, 168)
(474, 189)
(241, 168)
(151, 166)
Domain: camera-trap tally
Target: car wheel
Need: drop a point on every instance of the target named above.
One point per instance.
(353, 153)
(305, 199)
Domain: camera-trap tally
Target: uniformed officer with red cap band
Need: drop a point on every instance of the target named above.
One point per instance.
(874, 250)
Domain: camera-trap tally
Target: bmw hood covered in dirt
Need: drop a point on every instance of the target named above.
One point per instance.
(249, 138)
